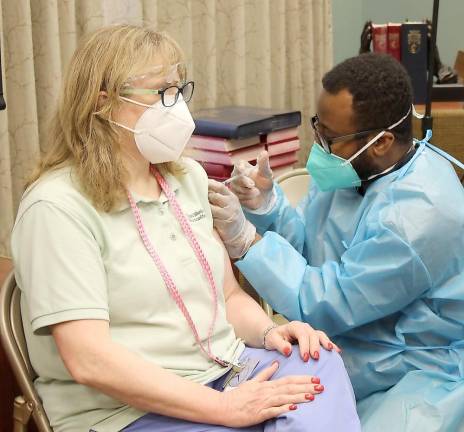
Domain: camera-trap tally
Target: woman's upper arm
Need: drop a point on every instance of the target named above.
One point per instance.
(230, 283)
(59, 267)
(81, 344)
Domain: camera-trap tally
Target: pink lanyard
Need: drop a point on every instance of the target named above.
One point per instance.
(170, 285)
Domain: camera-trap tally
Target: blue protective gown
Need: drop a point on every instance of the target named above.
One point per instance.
(383, 275)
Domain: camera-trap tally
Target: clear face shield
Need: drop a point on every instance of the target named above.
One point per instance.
(169, 74)
(161, 82)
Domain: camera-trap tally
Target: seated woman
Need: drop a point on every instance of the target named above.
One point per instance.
(132, 315)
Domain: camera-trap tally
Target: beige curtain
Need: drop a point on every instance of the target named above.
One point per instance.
(269, 53)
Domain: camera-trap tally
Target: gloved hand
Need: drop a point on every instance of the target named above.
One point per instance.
(236, 232)
(254, 186)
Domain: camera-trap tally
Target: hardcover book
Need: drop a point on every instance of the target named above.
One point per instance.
(282, 159)
(225, 158)
(394, 40)
(283, 147)
(379, 37)
(236, 122)
(414, 57)
(280, 135)
(220, 144)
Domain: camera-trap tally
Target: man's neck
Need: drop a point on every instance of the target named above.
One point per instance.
(403, 159)
(397, 153)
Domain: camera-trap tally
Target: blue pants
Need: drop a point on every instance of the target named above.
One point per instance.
(332, 410)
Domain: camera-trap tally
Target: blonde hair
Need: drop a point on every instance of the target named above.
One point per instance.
(88, 142)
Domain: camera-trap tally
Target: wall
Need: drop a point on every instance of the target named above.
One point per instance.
(347, 16)
(350, 15)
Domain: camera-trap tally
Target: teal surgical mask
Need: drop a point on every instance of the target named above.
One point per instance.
(332, 172)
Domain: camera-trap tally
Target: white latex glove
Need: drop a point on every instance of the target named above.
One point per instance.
(235, 230)
(254, 185)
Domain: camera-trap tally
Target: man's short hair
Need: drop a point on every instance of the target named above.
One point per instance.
(381, 90)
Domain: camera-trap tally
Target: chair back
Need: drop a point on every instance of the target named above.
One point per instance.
(294, 184)
(14, 343)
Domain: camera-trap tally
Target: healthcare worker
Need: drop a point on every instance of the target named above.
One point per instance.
(374, 253)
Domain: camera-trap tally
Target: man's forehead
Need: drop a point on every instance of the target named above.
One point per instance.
(340, 102)
(335, 110)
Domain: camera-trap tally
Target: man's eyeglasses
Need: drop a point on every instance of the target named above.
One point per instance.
(169, 95)
(327, 142)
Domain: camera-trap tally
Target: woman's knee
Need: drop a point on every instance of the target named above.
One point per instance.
(329, 362)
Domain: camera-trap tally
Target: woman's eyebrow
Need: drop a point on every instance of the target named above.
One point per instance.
(160, 83)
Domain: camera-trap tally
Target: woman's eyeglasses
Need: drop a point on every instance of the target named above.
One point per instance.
(169, 95)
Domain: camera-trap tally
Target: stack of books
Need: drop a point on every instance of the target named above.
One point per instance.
(224, 136)
(407, 42)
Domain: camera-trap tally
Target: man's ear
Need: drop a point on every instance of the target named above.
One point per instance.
(383, 144)
(102, 99)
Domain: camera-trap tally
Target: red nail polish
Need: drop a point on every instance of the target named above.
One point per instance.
(306, 356)
(330, 346)
(309, 397)
(292, 407)
(315, 380)
(319, 388)
(316, 355)
(287, 351)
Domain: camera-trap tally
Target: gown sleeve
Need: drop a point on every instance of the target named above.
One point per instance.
(375, 277)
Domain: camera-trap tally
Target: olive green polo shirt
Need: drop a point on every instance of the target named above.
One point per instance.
(73, 262)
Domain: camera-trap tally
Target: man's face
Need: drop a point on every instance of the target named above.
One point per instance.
(335, 114)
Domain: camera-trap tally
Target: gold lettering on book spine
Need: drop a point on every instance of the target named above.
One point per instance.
(414, 41)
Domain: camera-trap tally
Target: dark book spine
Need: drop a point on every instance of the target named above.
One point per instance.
(223, 129)
(414, 57)
(213, 128)
(232, 131)
(285, 121)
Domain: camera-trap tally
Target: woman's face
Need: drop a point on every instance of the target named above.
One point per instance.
(139, 88)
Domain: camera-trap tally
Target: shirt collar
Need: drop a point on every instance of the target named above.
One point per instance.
(172, 181)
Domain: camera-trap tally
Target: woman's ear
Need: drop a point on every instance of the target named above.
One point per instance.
(102, 99)
(383, 144)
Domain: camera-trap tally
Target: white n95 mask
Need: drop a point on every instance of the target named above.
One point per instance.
(161, 133)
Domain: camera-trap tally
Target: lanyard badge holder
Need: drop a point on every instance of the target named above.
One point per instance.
(240, 374)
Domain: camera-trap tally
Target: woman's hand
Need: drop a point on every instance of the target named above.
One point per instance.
(309, 340)
(259, 399)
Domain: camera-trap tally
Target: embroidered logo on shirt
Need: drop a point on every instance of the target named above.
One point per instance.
(197, 216)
